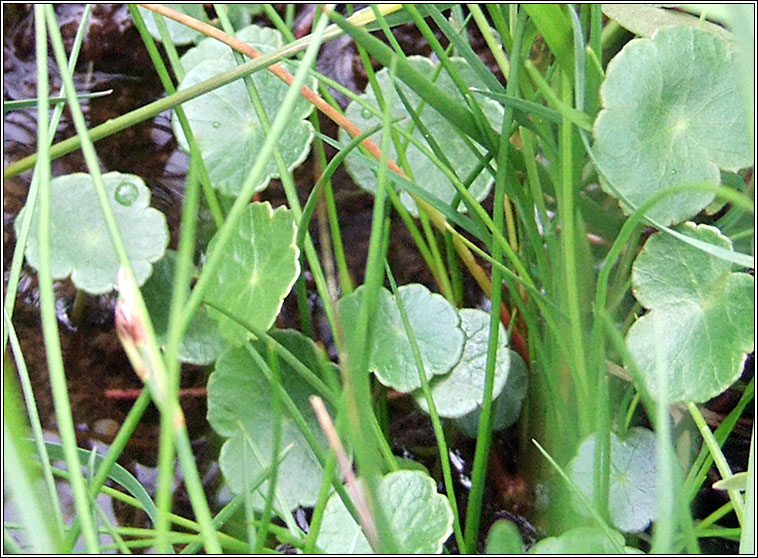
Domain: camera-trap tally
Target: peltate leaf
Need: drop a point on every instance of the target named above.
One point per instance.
(80, 243)
(582, 540)
(644, 19)
(224, 121)
(180, 34)
(701, 316)
(426, 174)
(259, 269)
(239, 406)
(632, 490)
(504, 538)
(435, 324)
(461, 391)
(506, 407)
(673, 114)
(420, 518)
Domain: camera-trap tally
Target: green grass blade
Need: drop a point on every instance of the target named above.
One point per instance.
(31, 198)
(498, 249)
(28, 103)
(116, 473)
(33, 507)
(168, 85)
(578, 493)
(35, 423)
(439, 433)
(555, 28)
(459, 116)
(747, 538)
(47, 295)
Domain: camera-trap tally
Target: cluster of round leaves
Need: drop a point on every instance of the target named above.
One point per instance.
(240, 409)
(251, 283)
(453, 348)
(674, 115)
(692, 343)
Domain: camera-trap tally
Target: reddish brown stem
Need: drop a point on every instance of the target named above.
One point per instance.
(135, 393)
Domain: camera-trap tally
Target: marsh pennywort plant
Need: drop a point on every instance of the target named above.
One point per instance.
(595, 138)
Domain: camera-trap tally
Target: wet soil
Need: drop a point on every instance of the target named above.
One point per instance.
(102, 384)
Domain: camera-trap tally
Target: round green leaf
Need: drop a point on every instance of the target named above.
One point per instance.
(461, 391)
(241, 15)
(504, 538)
(263, 39)
(80, 243)
(180, 34)
(427, 175)
(701, 315)
(633, 479)
(435, 324)
(224, 121)
(202, 342)
(506, 407)
(259, 269)
(239, 408)
(582, 540)
(673, 114)
(644, 19)
(420, 519)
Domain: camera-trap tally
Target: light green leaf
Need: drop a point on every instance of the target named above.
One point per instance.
(420, 519)
(424, 172)
(673, 114)
(461, 391)
(264, 39)
(632, 490)
(224, 121)
(435, 324)
(239, 397)
(504, 538)
(506, 407)
(180, 34)
(241, 15)
(80, 243)
(260, 268)
(202, 342)
(701, 316)
(644, 20)
(582, 540)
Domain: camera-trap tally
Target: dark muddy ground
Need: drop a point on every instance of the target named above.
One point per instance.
(101, 381)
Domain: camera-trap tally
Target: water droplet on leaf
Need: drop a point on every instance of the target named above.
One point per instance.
(216, 124)
(126, 193)
(366, 114)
